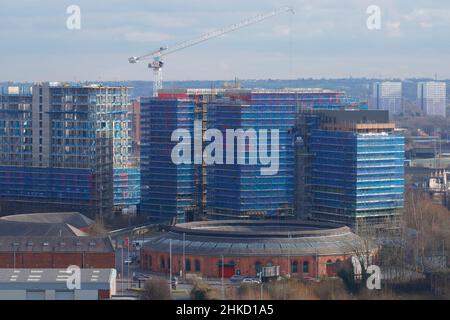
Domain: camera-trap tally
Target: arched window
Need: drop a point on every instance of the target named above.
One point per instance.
(188, 265)
(305, 267)
(163, 263)
(258, 267)
(197, 266)
(294, 267)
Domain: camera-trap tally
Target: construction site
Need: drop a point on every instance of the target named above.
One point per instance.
(66, 147)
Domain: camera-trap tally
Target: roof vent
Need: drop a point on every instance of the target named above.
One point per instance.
(29, 244)
(46, 244)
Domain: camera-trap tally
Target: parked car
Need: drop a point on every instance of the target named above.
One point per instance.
(128, 261)
(236, 278)
(251, 280)
(174, 283)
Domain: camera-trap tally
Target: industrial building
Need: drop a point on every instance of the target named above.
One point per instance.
(51, 224)
(52, 284)
(388, 96)
(247, 247)
(432, 98)
(56, 252)
(53, 240)
(354, 167)
(60, 145)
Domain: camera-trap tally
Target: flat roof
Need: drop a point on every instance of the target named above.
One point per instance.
(56, 279)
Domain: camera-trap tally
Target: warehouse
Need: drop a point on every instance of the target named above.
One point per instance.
(56, 252)
(237, 247)
(51, 284)
(56, 224)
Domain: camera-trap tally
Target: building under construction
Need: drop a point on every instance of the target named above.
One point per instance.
(235, 190)
(350, 167)
(60, 144)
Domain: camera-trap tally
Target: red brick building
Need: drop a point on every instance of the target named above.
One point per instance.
(56, 252)
(299, 248)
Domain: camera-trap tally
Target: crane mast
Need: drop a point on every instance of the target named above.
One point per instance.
(157, 64)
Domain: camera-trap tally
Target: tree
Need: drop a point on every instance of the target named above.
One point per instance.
(156, 289)
(201, 291)
(98, 229)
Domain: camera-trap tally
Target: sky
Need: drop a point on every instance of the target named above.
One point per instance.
(323, 39)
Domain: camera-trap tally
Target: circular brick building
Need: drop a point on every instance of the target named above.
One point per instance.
(208, 248)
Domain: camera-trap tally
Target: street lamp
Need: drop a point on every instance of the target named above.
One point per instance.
(223, 287)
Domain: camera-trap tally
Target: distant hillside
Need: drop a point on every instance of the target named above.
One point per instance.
(357, 88)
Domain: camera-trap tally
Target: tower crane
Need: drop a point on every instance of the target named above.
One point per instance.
(157, 64)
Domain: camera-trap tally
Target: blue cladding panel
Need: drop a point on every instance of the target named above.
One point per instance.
(241, 189)
(51, 185)
(357, 174)
(167, 189)
(127, 186)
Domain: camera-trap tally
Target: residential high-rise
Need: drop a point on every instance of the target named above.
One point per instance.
(432, 98)
(136, 127)
(239, 190)
(60, 146)
(388, 96)
(356, 167)
(168, 189)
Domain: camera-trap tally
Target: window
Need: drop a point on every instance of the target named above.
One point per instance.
(294, 267)
(197, 266)
(188, 265)
(258, 267)
(163, 263)
(306, 267)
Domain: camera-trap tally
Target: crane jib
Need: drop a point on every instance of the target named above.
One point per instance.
(157, 64)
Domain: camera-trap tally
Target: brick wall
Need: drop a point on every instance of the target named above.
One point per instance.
(211, 266)
(57, 260)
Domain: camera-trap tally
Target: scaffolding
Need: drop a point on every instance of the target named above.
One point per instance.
(68, 139)
(357, 171)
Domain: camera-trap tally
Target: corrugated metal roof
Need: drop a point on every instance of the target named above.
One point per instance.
(56, 279)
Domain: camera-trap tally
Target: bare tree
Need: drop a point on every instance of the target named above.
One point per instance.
(156, 289)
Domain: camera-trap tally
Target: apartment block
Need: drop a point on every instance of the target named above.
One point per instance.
(60, 145)
(432, 98)
(388, 96)
(355, 172)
